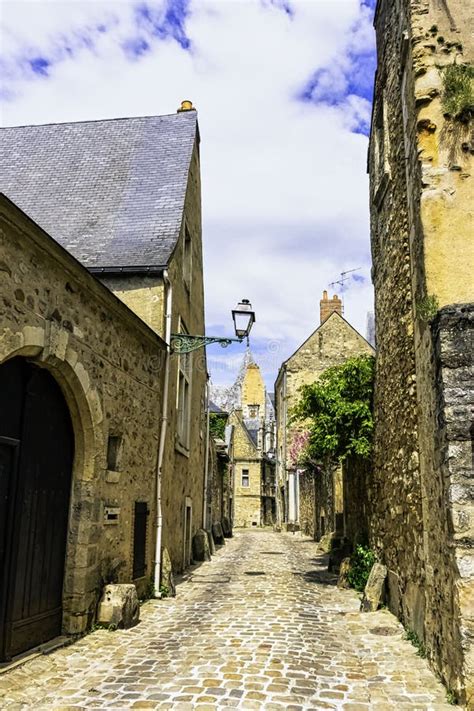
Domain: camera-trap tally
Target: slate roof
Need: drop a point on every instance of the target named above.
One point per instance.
(111, 192)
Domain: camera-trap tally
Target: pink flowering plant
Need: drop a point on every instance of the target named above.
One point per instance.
(298, 449)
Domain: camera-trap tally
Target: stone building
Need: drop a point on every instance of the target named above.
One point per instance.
(421, 189)
(251, 416)
(308, 498)
(81, 387)
(123, 198)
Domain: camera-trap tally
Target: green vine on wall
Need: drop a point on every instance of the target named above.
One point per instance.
(337, 411)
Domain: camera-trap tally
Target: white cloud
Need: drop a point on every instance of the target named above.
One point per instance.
(284, 185)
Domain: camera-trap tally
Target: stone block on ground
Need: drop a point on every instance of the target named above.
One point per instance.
(167, 585)
(337, 555)
(226, 527)
(325, 542)
(119, 606)
(201, 546)
(374, 589)
(218, 534)
(344, 568)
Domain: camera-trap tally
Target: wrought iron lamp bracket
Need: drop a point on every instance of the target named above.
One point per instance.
(184, 343)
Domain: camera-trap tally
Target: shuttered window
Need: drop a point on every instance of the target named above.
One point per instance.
(139, 539)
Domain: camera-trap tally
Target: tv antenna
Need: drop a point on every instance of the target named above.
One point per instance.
(344, 278)
(342, 281)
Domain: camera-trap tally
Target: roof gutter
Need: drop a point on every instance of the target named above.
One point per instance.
(128, 270)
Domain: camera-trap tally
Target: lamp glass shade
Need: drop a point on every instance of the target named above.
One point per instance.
(244, 318)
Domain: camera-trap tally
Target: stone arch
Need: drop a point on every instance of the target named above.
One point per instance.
(51, 347)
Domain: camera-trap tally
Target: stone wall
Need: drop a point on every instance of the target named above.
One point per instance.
(219, 484)
(307, 503)
(421, 211)
(356, 476)
(109, 365)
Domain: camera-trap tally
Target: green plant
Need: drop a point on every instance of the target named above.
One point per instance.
(337, 411)
(427, 308)
(164, 590)
(362, 561)
(458, 90)
(412, 637)
(217, 425)
(149, 591)
(451, 697)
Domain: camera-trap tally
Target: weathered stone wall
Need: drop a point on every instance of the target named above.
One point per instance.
(183, 467)
(219, 489)
(307, 503)
(325, 501)
(421, 225)
(109, 365)
(356, 473)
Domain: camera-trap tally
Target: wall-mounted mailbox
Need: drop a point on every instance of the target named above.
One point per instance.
(111, 514)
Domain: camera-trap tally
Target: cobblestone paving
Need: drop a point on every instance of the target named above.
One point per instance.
(261, 626)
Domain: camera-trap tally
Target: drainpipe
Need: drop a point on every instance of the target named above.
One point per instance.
(164, 426)
(206, 464)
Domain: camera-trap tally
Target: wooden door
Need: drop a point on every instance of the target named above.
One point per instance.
(36, 454)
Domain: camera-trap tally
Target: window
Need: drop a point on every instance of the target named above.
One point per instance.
(381, 150)
(253, 411)
(139, 539)
(187, 258)
(245, 477)
(184, 396)
(114, 449)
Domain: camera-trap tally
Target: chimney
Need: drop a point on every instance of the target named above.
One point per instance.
(327, 306)
(186, 105)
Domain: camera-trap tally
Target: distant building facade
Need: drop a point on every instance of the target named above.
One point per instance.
(421, 190)
(333, 342)
(251, 417)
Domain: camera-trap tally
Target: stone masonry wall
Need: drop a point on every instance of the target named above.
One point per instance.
(356, 472)
(421, 224)
(110, 368)
(307, 503)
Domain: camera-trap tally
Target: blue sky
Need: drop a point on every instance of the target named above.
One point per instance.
(283, 90)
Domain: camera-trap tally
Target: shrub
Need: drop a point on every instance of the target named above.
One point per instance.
(362, 561)
(458, 90)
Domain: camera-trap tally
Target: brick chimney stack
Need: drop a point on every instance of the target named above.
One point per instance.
(327, 306)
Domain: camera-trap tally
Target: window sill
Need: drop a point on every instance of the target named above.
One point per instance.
(112, 476)
(181, 449)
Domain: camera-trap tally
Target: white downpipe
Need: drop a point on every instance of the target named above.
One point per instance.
(206, 464)
(164, 426)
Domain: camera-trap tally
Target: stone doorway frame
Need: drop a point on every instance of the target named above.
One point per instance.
(49, 347)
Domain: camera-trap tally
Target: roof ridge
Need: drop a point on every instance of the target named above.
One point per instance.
(100, 120)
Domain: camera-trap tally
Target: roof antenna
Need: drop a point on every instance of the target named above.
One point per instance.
(342, 281)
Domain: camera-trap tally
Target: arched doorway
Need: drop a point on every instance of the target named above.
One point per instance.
(36, 457)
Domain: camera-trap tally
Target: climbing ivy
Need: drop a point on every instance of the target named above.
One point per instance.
(337, 411)
(217, 425)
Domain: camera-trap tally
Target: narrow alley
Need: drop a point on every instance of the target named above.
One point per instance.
(261, 626)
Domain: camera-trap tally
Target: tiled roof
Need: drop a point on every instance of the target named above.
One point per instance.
(111, 192)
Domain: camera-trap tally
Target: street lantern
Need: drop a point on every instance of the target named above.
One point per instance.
(244, 318)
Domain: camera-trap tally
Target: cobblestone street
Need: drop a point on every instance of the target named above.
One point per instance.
(261, 626)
